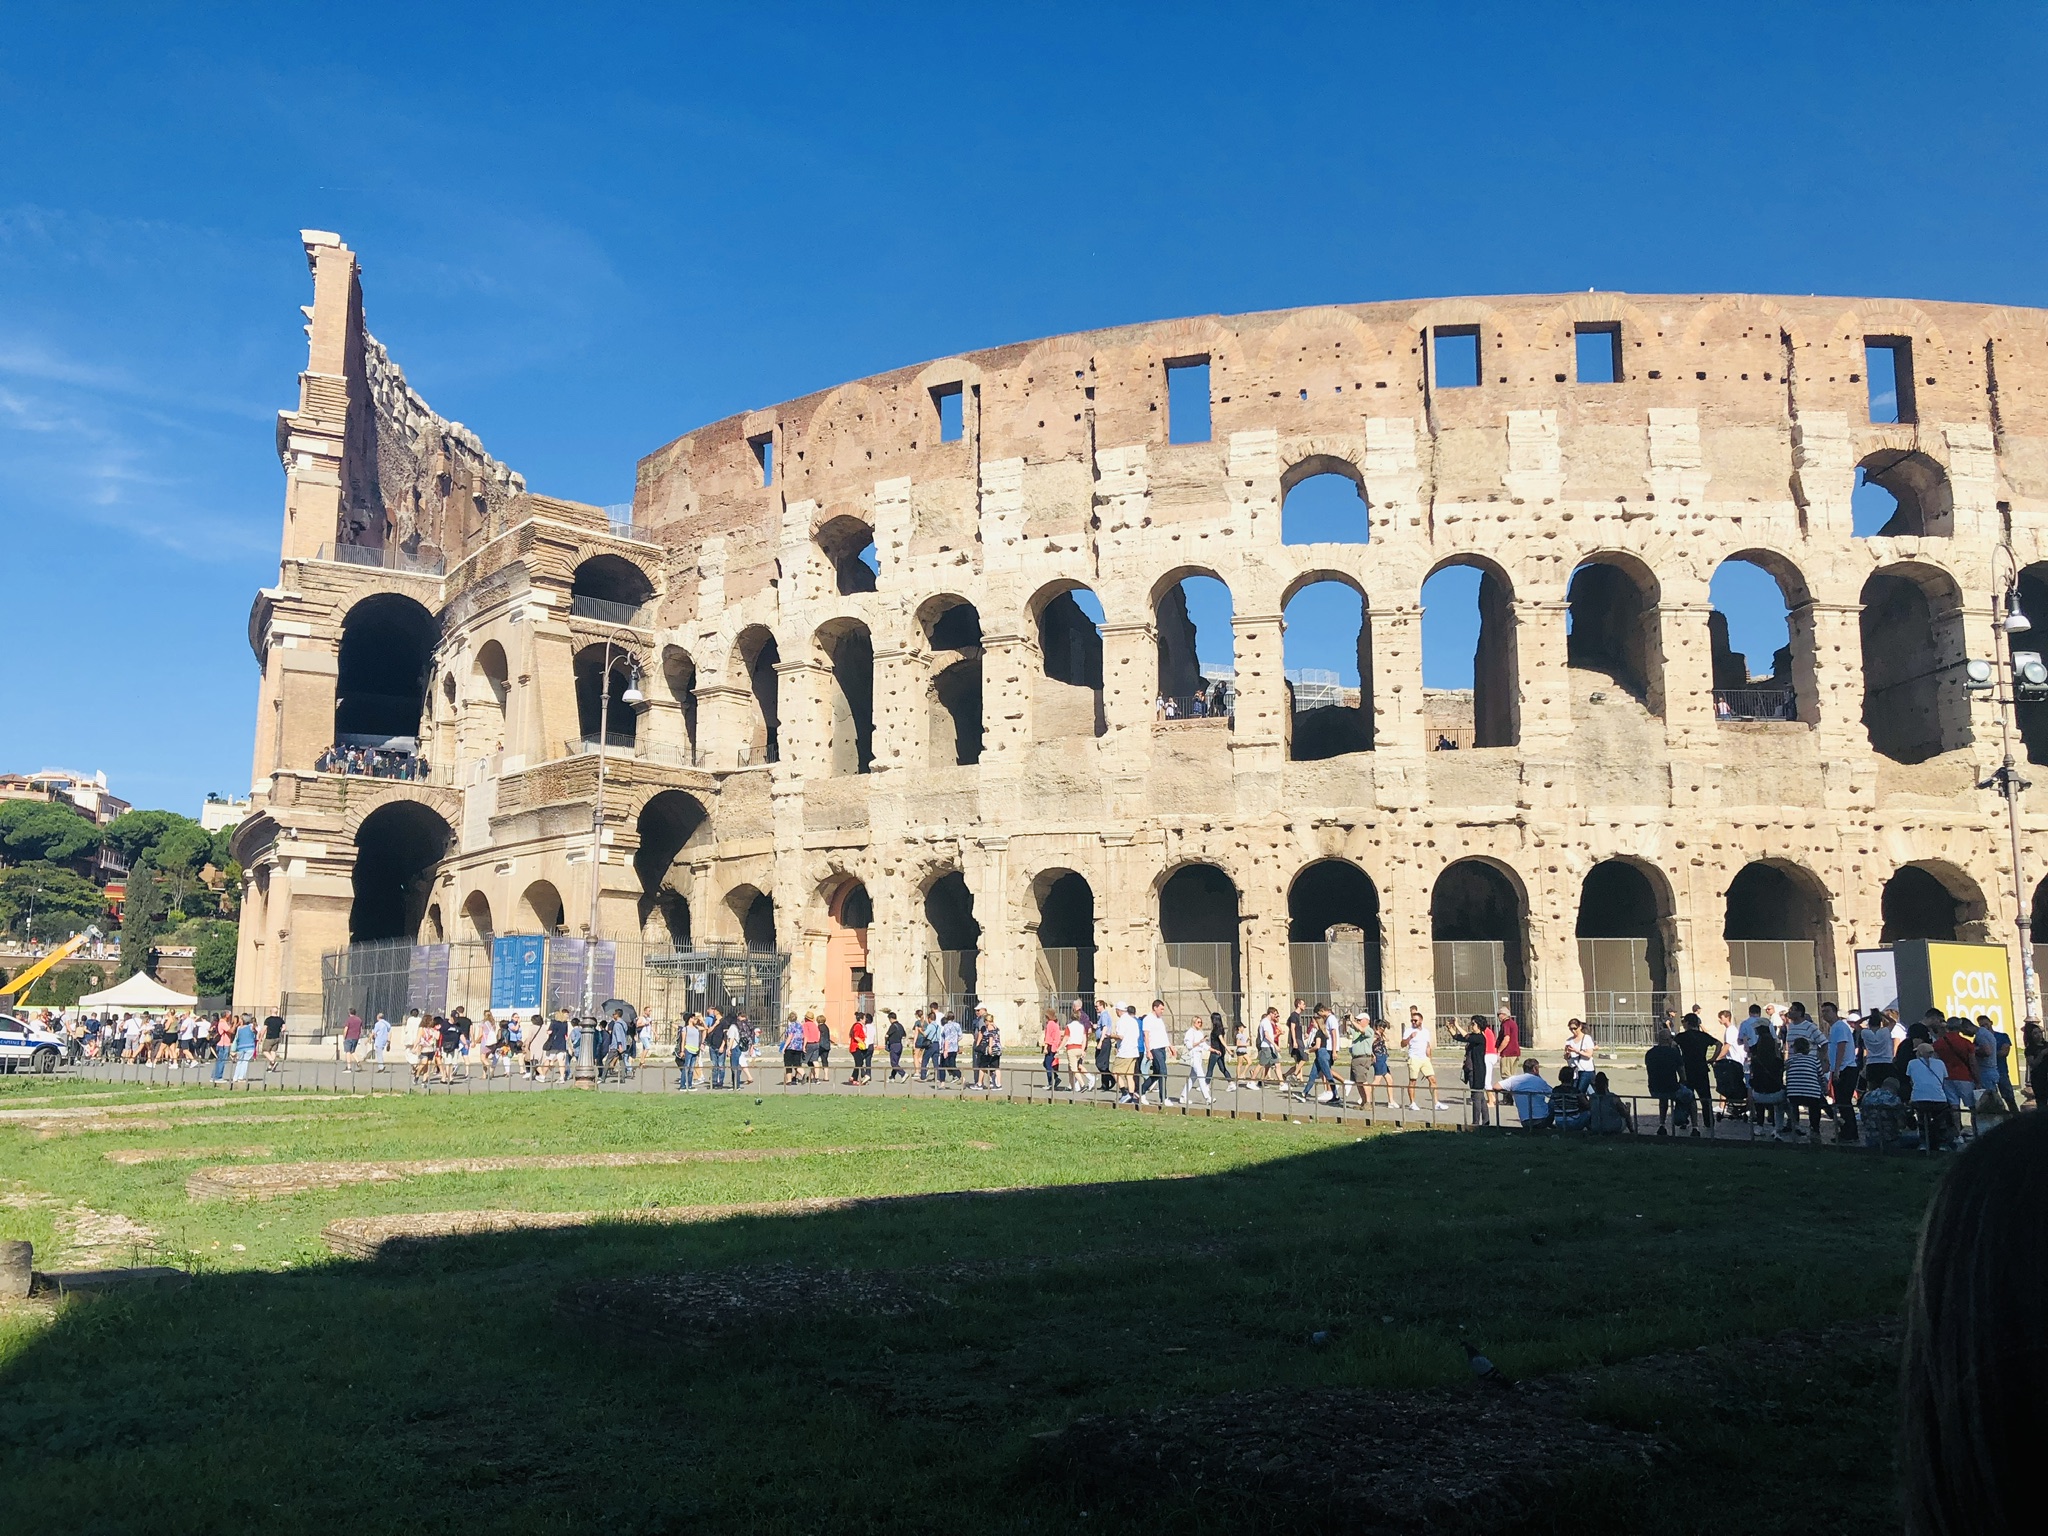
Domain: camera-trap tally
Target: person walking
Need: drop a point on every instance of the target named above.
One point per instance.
(245, 1047)
(893, 1037)
(1269, 1047)
(273, 1042)
(1507, 1031)
(380, 1042)
(224, 1038)
(792, 1052)
(1074, 1044)
(1218, 1059)
(351, 1040)
(1153, 1042)
(1194, 1050)
(1054, 1038)
(1415, 1038)
(1845, 1075)
(857, 1045)
(1316, 1046)
(1297, 1041)
(949, 1048)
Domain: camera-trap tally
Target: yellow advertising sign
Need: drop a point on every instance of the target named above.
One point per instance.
(1972, 979)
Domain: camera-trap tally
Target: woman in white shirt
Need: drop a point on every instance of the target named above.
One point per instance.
(1928, 1078)
(1194, 1050)
(1578, 1052)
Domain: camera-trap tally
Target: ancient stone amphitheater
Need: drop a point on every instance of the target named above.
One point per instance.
(893, 691)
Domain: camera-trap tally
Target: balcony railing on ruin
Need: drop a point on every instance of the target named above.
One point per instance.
(1755, 704)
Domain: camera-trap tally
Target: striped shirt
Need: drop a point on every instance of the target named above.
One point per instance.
(1803, 1078)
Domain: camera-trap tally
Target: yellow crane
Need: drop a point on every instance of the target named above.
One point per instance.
(18, 986)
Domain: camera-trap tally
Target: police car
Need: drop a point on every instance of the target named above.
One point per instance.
(26, 1045)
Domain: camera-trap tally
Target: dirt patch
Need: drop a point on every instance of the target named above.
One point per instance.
(104, 1127)
(275, 1180)
(206, 1105)
(374, 1237)
(1338, 1458)
(128, 1156)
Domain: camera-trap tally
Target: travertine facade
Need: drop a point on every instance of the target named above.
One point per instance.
(1735, 429)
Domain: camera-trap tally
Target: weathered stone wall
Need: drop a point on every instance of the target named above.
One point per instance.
(1735, 430)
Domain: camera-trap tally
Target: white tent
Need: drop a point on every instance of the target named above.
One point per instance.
(138, 991)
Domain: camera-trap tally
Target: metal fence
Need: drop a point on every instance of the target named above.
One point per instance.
(1196, 980)
(1387, 1106)
(1756, 704)
(389, 557)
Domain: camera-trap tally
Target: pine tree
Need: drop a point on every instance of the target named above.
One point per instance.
(142, 918)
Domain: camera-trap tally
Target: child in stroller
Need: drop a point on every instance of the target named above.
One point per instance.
(1732, 1087)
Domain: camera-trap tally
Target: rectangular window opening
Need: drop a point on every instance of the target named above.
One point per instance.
(1187, 399)
(951, 403)
(1888, 365)
(1599, 352)
(1455, 357)
(764, 455)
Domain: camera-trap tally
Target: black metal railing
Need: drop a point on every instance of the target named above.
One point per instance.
(1756, 704)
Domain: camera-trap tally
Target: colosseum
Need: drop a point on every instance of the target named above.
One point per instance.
(895, 693)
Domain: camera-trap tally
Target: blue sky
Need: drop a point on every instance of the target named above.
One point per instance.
(586, 229)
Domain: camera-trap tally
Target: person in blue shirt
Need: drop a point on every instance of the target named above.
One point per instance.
(245, 1046)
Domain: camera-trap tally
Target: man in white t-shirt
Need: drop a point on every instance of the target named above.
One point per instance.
(1126, 1029)
(1416, 1039)
(1843, 1077)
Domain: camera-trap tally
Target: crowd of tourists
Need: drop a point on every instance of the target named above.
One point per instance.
(1779, 1071)
(373, 762)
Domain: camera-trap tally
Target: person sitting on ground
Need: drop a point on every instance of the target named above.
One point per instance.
(1567, 1104)
(1664, 1066)
(1974, 1385)
(1767, 1086)
(1883, 1114)
(1531, 1095)
(1606, 1113)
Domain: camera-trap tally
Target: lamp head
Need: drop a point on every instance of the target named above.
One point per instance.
(633, 696)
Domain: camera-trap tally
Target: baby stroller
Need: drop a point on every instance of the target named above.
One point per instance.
(1731, 1086)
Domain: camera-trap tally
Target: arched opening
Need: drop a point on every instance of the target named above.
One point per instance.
(759, 658)
(953, 699)
(848, 545)
(953, 960)
(1333, 936)
(1751, 631)
(1066, 940)
(609, 588)
(1070, 649)
(1901, 494)
(679, 677)
(431, 929)
(398, 848)
(1624, 950)
(956, 715)
(1197, 966)
(1914, 701)
(1327, 651)
(491, 685)
(1197, 649)
(1470, 687)
(851, 654)
(1917, 905)
(380, 685)
(1323, 502)
(849, 984)
(541, 910)
(2030, 710)
(1611, 629)
(603, 675)
(1478, 929)
(1777, 932)
(476, 919)
(667, 824)
(757, 923)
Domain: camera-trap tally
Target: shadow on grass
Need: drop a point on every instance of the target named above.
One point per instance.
(506, 1382)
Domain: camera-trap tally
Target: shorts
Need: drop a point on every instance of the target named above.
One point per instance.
(1380, 1067)
(1296, 1053)
(1421, 1066)
(1493, 1071)
(810, 1055)
(1268, 1057)
(350, 1045)
(1361, 1070)
(792, 1058)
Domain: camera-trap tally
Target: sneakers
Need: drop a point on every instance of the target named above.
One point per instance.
(1440, 1104)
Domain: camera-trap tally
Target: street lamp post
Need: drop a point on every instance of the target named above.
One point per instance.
(586, 1045)
(2011, 622)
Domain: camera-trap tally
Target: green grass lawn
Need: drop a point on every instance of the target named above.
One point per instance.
(447, 1388)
